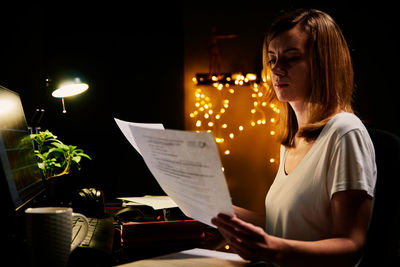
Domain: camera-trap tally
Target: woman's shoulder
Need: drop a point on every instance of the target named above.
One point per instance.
(343, 123)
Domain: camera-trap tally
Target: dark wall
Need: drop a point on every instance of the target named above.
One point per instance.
(132, 58)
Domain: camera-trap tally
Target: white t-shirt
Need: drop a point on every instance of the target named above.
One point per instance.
(341, 158)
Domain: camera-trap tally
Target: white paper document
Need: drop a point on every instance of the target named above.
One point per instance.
(124, 127)
(188, 168)
(156, 202)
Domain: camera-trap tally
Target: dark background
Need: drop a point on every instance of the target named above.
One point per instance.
(132, 56)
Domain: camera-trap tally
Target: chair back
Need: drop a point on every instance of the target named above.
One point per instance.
(383, 236)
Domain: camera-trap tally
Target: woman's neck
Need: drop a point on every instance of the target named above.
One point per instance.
(300, 108)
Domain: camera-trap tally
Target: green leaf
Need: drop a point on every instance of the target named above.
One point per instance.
(53, 156)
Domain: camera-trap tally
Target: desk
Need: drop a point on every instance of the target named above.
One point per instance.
(193, 257)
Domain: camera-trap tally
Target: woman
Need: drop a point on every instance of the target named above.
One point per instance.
(318, 208)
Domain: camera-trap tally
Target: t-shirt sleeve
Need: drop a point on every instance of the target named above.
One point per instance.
(352, 164)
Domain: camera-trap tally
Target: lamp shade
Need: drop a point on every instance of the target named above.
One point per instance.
(70, 88)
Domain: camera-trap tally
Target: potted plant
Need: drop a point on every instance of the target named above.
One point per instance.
(54, 157)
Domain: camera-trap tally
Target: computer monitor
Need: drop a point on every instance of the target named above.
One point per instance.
(18, 165)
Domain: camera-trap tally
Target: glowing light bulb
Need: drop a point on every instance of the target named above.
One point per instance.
(241, 128)
(251, 76)
(227, 152)
(198, 123)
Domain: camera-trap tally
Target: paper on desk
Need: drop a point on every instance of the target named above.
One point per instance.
(188, 168)
(156, 202)
(124, 127)
(195, 257)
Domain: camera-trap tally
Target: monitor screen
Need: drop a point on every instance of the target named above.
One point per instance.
(17, 159)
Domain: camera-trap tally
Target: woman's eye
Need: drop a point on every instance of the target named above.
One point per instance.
(293, 59)
(271, 61)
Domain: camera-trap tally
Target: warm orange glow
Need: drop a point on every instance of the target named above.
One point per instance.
(251, 76)
(244, 124)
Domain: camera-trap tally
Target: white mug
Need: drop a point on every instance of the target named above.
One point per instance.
(49, 235)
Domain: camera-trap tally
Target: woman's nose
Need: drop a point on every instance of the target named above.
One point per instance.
(278, 69)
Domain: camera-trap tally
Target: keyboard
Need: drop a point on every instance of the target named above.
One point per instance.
(100, 234)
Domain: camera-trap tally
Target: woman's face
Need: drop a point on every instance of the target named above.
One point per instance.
(289, 65)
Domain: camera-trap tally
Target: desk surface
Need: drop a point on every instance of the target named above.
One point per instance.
(194, 257)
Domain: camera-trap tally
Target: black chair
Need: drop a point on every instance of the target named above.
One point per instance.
(383, 236)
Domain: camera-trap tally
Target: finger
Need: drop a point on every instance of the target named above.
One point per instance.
(237, 244)
(239, 240)
(244, 229)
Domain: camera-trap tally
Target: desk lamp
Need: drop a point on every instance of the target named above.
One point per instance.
(70, 88)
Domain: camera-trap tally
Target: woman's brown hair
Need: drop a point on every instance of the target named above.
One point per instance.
(332, 77)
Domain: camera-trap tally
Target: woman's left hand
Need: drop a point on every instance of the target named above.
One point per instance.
(249, 241)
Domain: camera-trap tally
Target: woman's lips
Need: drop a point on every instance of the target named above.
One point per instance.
(280, 85)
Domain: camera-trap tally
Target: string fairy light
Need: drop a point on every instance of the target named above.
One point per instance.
(210, 114)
